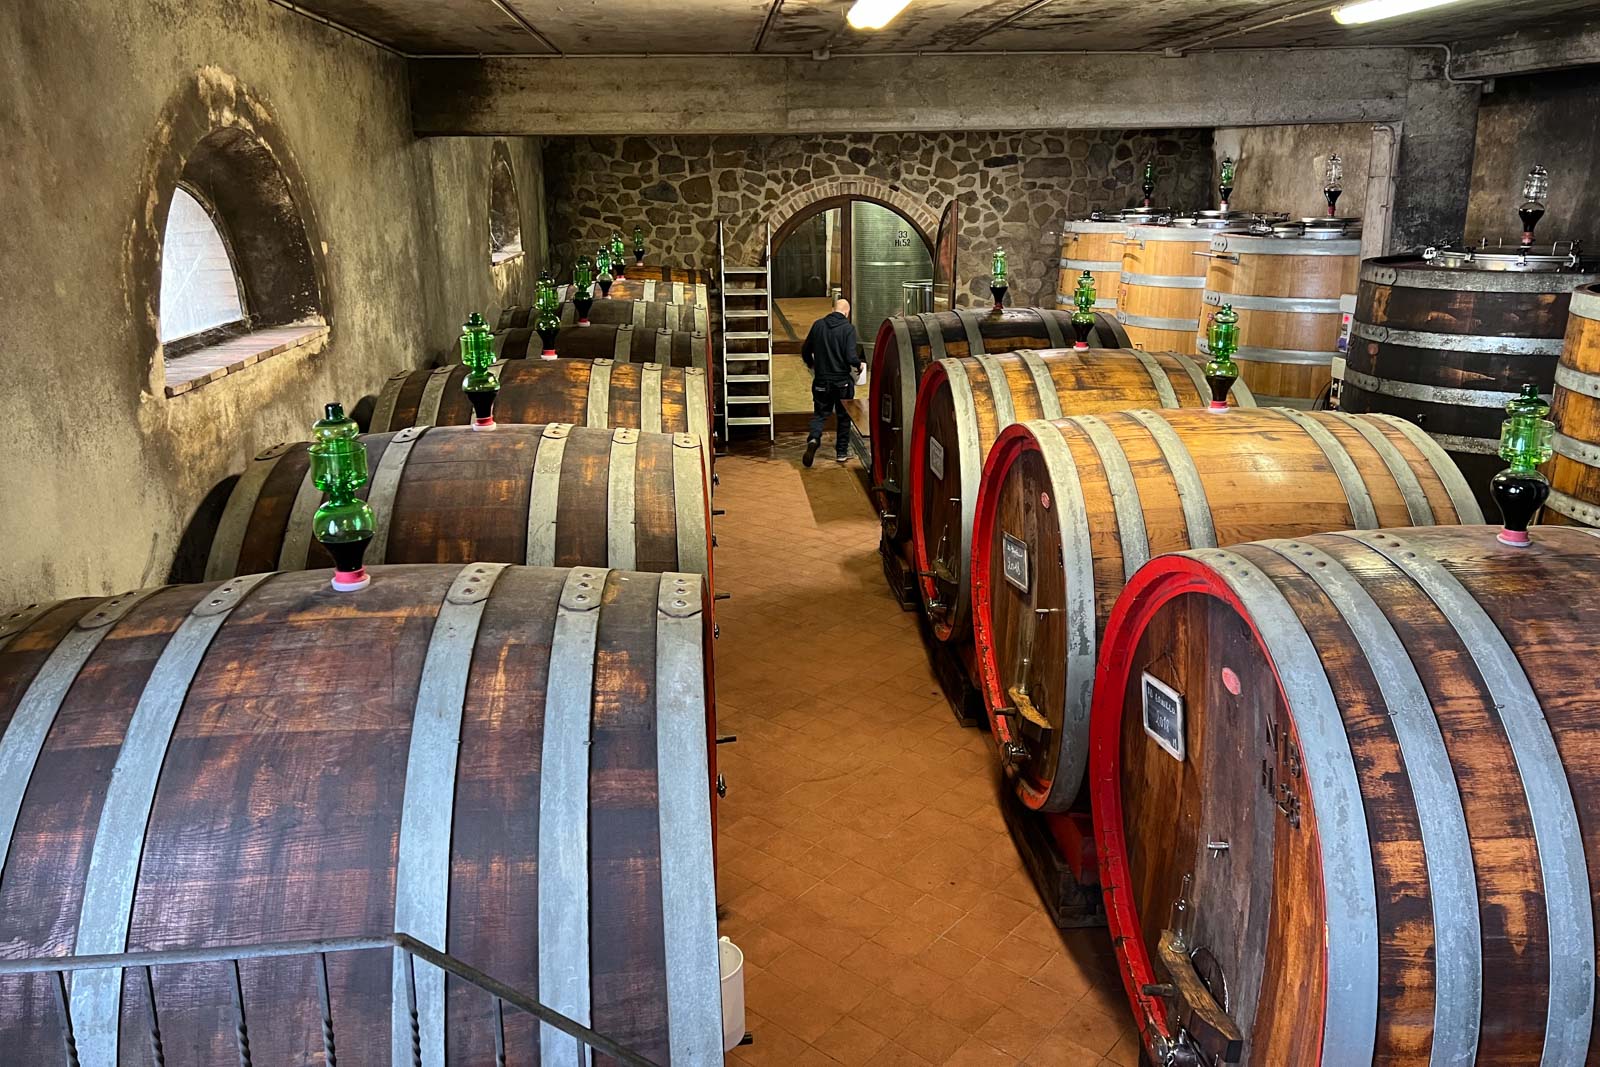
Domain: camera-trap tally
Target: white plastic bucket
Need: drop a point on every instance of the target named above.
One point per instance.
(731, 961)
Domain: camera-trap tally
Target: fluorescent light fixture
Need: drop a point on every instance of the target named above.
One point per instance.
(1373, 10)
(876, 14)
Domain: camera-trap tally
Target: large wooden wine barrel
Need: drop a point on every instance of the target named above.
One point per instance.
(1574, 470)
(965, 404)
(1286, 292)
(1162, 283)
(1447, 346)
(656, 272)
(507, 763)
(664, 292)
(1127, 486)
(591, 392)
(556, 495)
(1087, 245)
(622, 342)
(904, 348)
(640, 314)
(1383, 790)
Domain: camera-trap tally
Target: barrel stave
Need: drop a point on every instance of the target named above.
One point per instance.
(1577, 418)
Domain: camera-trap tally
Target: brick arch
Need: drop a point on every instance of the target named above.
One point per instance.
(924, 218)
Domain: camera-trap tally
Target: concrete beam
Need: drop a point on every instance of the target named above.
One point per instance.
(778, 95)
(1529, 52)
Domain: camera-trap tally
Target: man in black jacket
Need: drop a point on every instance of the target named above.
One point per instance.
(833, 356)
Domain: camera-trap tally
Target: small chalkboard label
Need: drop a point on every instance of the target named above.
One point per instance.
(886, 407)
(936, 457)
(1163, 716)
(1014, 555)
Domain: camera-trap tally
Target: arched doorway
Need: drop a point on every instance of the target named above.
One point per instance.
(854, 245)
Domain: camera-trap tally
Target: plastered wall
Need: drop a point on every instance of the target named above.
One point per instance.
(107, 470)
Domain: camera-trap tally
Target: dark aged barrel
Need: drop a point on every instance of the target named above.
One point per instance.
(1286, 292)
(640, 314)
(651, 289)
(1574, 470)
(556, 495)
(1447, 346)
(597, 392)
(1384, 792)
(904, 348)
(963, 406)
(622, 342)
(508, 763)
(656, 272)
(584, 392)
(1071, 509)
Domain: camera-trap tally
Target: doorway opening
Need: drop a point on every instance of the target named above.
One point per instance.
(849, 246)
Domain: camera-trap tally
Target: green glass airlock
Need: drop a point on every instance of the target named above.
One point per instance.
(1083, 314)
(1222, 341)
(344, 524)
(480, 383)
(1525, 442)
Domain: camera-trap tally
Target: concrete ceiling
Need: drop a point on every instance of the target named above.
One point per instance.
(657, 27)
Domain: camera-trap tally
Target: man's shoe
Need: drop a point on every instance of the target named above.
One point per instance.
(811, 452)
(841, 457)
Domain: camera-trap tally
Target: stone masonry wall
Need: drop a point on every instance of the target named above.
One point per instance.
(1015, 189)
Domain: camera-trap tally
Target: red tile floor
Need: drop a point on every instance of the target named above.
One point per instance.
(865, 871)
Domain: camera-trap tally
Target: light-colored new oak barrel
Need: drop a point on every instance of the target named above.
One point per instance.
(640, 314)
(904, 348)
(556, 495)
(1386, 795)
(964, 405)
(1286, 292)
(1088, 245)
(1447, 346)
(1574, 470)
(1084, 502)
(1162, 280)
(507, 763)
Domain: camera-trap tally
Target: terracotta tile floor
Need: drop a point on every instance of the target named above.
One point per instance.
(865, 869)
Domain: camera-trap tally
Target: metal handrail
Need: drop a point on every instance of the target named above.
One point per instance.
(60, 966)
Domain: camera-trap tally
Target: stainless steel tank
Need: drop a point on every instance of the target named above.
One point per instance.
(886, 252)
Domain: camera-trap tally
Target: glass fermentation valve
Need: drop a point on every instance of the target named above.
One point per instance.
(998, 283)
(344, 524)
(1333, 182)
(1222, 339)
(1521, 490)
(480, 384)
(1535, 195)
(1083, 316)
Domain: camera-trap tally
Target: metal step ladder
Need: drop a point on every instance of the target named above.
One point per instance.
(745, 296)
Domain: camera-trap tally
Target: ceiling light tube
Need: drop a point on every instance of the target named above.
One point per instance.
(1373, 10)
(874, 14)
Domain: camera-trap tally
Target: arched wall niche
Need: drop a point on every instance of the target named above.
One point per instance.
(219, 138)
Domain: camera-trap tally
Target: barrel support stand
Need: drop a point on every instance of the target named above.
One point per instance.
(897, 570)
(1058, 851)
(955, 668)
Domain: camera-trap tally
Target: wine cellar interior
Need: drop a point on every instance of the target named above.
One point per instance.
(904, 533)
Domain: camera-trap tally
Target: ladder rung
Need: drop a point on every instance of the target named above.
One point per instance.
(748, 335)
(744, 270)
(730, 379)
(748, 313)
(735, 398)
(745, 292)
(749, 420)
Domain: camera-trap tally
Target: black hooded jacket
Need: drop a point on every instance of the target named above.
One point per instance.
(831, 351)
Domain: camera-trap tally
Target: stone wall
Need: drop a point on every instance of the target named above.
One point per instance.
(108, 469)
(1015, 189)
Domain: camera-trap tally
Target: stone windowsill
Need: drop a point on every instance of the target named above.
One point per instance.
(190, 371)
(500, 259)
